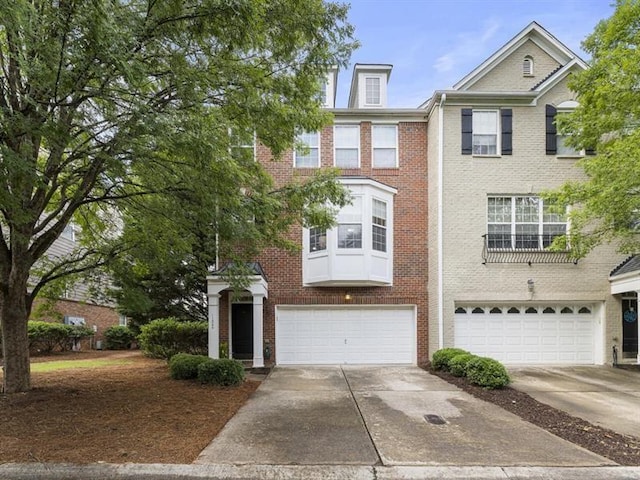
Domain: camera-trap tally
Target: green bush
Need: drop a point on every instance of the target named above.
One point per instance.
(222, 371)
(487, 372)
(442, 357)
(118, 338)
(47, 337)
(458, 364)
(184, 366)
(165, 337)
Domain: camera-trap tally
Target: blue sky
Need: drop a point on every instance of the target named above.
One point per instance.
(434, 43)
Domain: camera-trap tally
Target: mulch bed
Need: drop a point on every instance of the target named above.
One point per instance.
(116, 414)
(622, 449)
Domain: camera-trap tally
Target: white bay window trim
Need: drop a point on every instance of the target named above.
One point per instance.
(359, 250)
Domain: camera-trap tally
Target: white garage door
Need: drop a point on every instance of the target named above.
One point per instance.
(528, 335)
(337, 335)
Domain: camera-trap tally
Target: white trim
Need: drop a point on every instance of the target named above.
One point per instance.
(443, 99)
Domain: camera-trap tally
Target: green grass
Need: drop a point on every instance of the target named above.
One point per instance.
(68, 364)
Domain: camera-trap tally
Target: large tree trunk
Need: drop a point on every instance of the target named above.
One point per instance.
(14, 313)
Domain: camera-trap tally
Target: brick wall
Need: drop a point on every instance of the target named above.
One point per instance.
(284, 270)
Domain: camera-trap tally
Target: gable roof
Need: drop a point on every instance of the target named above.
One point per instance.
(532, 32)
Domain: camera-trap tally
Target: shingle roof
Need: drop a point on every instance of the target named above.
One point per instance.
(546, 78)
(631, 264)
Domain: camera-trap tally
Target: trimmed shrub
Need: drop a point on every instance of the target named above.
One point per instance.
(165, 337)
(458, 364)
(47, 337)
(487, 372)
(118, 338)
(222, 371)
(442, 357)
(184, 366)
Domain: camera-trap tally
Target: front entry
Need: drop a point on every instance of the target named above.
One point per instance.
(242, 331)
(629, 327)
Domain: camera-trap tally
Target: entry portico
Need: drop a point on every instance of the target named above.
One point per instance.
(258, 288)
(625, 280)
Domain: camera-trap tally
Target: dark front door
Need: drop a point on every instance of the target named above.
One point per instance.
(629, 326)
(242, 330)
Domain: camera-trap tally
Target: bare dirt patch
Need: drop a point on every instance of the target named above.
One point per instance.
(622, 449)
(117, 414)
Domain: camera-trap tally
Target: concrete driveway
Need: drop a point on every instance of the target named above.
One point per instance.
(379, 416)
(605, 396)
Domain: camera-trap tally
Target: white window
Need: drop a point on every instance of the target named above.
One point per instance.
(372, 90)
(346, 139)
(243, 144)
(523, 222)
(122, 320)
(527, 66)
(385, 146)
(317, 239)
(485, 132)
(379, 225)
(308, 157)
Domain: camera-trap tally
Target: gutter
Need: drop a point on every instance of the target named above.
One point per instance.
(443, 99)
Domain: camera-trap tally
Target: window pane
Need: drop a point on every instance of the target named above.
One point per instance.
(485, 123)
(350, 235)
(317, 239)
(527, 209)
(347, 157)
(551, 213)
(379, 210)
(564, 149)
(499, 236)
(384, 157)
(500, 209)
(384, 136)
(372, 90)
(347, 136)
(379, 238)
(527, 236)
(485, 144)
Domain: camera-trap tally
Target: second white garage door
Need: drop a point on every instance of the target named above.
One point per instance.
(345, 335)
(557, 334)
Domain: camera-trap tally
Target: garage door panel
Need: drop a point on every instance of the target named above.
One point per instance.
(345, 335)
(527, 337)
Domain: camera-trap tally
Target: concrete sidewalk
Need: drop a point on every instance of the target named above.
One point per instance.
(40, 471)
(370, 416)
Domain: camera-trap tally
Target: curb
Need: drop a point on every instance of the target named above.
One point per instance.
(42, 471)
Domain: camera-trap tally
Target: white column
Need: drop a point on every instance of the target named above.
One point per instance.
(214, 325)
(258, 360)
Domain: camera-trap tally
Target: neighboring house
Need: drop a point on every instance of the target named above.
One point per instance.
(77, 306)
(448, 194)
(494, 288)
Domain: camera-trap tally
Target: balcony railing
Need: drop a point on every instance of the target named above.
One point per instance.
(522, 248)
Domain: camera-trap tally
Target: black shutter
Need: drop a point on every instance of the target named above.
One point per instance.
(552, 142)
(507, 130)
(589, 151)
(467, 131)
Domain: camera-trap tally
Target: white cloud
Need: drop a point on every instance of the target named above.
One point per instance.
(469, 45)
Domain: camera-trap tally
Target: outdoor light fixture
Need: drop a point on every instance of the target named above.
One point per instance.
(347, 297)
(530, 285)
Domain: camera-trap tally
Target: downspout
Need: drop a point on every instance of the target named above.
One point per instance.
(443, 99)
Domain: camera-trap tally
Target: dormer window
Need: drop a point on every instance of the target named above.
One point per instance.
(527, 66)
(372, 90)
